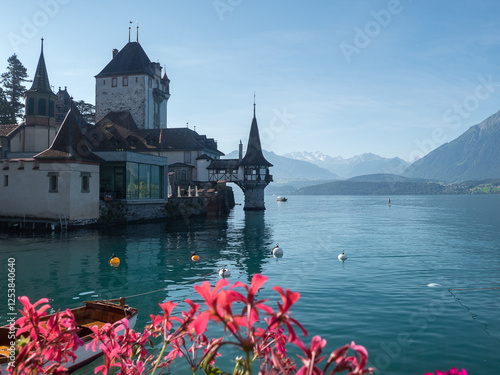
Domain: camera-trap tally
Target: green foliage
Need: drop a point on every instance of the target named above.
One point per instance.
(6, 114)
(87, 111)
(13, 88)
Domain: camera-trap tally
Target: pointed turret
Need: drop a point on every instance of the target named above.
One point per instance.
(40, 100)
(255, 170)
(254, 155)
(41, 80)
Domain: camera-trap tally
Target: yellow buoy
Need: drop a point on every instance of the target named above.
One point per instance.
(114, 261)
(195, 257)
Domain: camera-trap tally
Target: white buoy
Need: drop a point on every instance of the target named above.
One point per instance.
(189, 191)
(178, 191)
(277, 251)
(224, 272)
(433, 285)
(342, 256)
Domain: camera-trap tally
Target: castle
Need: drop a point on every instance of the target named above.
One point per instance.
(55, 166)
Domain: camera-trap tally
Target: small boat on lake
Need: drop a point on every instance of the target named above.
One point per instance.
(93, 313)
(282, 199)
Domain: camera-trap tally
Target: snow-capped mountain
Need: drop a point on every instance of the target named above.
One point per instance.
(358, 165)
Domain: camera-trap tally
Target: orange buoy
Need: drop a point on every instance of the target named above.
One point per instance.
(114, 261)
(195, 257)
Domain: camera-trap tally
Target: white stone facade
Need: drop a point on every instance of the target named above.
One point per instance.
(27, 190)
(33, 138)
(134, 93)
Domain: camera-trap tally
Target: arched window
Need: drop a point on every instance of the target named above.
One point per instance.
(31, 106)
(51, 108)
(42, 104)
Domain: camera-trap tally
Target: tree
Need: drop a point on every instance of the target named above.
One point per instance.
(6, 114)
(14, 90)
(87, 111)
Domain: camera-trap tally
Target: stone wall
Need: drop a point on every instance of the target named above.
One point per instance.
(121, 211)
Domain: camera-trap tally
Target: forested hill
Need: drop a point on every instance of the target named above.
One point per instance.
(475, 155)
(350, 187)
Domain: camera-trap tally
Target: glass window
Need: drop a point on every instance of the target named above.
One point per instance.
(187, 156)
(156, 185)
(42, 103)
(53, 182)
(52, 107)
(132, 180)
(31, 106)
(144, 181)
(113, 82)
(85, 176)
(125, 81)
(5, 180)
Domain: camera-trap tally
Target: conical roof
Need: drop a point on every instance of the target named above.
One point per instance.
(130, 60)
(254, 155)
(41, 80)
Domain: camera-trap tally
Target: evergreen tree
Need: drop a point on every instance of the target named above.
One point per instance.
(6, 113)
(14, 90)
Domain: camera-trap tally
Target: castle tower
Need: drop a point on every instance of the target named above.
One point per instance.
(39, 119)
(255, 170)
(131, 82)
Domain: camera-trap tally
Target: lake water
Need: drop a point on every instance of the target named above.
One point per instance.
(379, 297)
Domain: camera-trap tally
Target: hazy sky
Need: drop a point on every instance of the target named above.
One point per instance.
(344, 77)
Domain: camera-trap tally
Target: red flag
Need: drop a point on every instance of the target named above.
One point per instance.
(161, 131)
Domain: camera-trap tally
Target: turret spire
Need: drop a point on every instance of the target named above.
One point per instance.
(41, 80)
(254, 104)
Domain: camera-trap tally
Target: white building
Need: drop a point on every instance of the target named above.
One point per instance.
(48, 172)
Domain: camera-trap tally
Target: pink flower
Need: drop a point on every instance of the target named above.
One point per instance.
(312, 357)
(452, 371)
(282, 316)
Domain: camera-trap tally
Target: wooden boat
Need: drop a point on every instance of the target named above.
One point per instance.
(281, 199)
(92, 313)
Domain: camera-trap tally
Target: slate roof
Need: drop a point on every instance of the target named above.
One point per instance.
(224, 164)
(254, 155)
(117, 131)
(130, 60)
(41, 81)
(6, 129)
(179, 139)
(60, 148)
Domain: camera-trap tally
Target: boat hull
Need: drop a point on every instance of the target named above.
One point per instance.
(84, 316)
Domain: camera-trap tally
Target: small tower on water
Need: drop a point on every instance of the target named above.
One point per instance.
(254, 170)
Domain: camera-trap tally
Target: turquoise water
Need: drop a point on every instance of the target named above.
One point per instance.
(379, 297)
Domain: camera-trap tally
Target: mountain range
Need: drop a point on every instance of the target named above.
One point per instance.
(355, 166)
(285, 169)
(475, 155)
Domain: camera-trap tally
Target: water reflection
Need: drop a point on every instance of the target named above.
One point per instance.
(255, 243)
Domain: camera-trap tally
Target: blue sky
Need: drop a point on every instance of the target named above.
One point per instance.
(345, 77)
